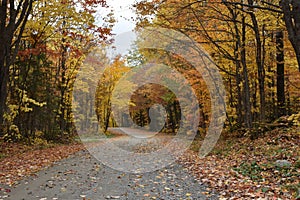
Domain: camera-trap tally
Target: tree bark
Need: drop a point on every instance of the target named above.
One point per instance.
(13, 18)
(280, 74)
(4, 75)
(259, 63)
(246, 87)
(291, 13)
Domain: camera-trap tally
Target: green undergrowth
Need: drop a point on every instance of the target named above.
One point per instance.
(255, 158)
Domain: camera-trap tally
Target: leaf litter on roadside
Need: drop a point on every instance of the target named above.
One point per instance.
(240, 168)
(25, 161)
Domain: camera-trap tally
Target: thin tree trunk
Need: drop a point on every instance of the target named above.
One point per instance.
(107, 117)
(247, 103)
(280, 74)
(237, 71)
(259, 63)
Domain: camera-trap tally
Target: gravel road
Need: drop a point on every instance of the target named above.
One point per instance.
(82, 177)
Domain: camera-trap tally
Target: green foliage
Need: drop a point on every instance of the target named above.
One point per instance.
(256, 171)
(251, 170)
(297, 164)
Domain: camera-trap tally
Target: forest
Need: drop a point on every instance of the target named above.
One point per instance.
(58, 82)
(43, 45)
(254, 44)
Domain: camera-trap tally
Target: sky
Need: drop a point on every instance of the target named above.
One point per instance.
(123, 13)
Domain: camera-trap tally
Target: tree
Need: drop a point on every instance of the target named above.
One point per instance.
(54, 43)
(291, 16)
(240, 37)
(106, 86)
(280, 74)
(84, 91)
(13, 18)
(291, 13)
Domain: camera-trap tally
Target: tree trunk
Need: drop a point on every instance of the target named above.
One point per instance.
(238, 78)
(4, 75)
(8, 26)
(280, 74)
(291, 11)
(259, 63)
(247, 103)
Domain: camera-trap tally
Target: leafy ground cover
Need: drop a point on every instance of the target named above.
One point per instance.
(237, 168)
(19, 160)
(244, 168)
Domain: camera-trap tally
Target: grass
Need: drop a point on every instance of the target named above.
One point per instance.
(93, 137)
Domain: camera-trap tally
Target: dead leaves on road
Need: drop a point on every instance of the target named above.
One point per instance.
(236, 169)
(24, 161)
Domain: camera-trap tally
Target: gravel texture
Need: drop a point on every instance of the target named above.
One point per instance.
(82, 177)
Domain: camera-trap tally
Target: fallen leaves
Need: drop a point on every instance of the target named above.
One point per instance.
(237, 172)
(237, 168)
(26, 160)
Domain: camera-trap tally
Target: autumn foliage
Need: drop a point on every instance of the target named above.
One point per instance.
(53, 41)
